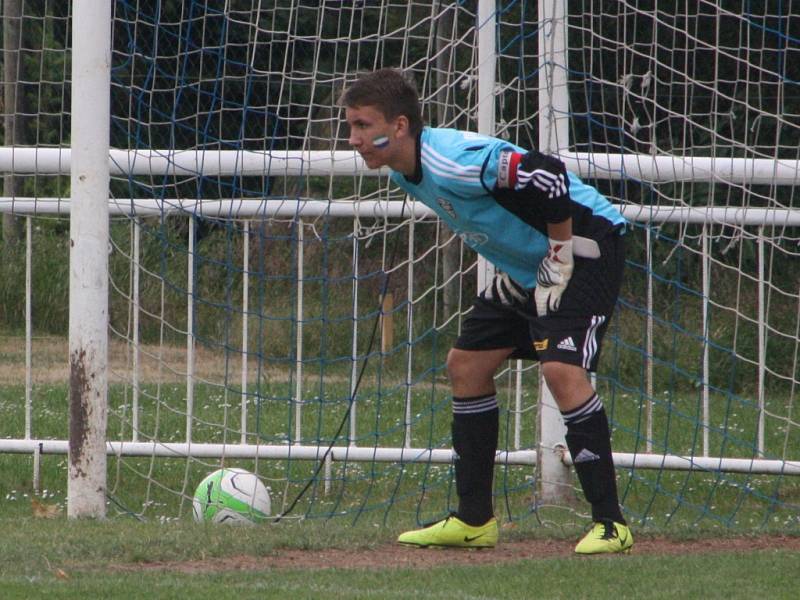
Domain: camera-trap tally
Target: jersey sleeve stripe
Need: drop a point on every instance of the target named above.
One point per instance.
(454, 175)
(448, 163)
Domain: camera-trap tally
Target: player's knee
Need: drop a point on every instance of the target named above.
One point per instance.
(563, 379)
(457, 365)
(463, 366)
(554, 373)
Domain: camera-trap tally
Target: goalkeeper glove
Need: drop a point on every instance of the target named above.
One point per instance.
(553, 276)
(505, 290)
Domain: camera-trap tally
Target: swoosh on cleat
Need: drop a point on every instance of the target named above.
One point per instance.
(472, 539)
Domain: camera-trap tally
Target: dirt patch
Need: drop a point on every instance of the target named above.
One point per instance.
(157, 364)
(393, 556)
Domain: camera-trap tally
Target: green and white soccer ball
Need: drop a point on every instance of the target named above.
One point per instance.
(233, 496)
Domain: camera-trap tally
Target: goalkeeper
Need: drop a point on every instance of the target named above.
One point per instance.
(558, 245)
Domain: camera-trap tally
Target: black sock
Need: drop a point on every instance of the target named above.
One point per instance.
(589, 443)
(475, 430)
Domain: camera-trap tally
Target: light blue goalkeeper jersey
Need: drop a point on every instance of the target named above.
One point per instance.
(457, 175)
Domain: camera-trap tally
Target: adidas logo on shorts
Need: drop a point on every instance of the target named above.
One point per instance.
(567, 344)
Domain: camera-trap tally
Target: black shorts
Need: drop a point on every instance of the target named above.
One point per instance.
(571, 335)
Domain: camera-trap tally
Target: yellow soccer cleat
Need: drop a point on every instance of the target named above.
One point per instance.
(606, 537)
(454, 533)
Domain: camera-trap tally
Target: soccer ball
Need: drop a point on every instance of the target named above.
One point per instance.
(232, 496)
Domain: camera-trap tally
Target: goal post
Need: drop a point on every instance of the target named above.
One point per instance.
(89, 245)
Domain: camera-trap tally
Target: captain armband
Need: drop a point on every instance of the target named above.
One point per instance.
(543, 176)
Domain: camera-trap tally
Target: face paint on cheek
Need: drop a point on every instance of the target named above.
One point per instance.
(381, 141)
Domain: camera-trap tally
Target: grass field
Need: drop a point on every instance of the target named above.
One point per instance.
(338, 543)
(127, 559)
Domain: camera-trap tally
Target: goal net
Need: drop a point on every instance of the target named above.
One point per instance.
(276, 307)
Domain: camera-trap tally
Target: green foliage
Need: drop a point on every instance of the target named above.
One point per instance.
(49, 281)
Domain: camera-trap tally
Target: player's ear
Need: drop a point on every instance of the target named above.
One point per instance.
(401, 126)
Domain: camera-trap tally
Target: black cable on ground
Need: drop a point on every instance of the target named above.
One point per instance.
(351, 400)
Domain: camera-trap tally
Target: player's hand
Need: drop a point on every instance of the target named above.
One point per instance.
(506, 291)
(553, 275)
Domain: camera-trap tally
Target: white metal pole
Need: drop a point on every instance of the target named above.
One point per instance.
(409, 332)
(37, 469)
(354, 347)
(553, 93)
(518, 405)
(487, 67)
(135, 367)
(328, 475)
(28, 328)
(487, 64)
(303, 163)
(298, 394)
(190, 346)
(88, 290)
(382, 209)
(706, 340)
(660, 462)
(762, 341)
(648, 365)
(554, 476)
(245, 321)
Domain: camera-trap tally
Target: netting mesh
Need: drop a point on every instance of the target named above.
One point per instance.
(268, 79)
(248, 317)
